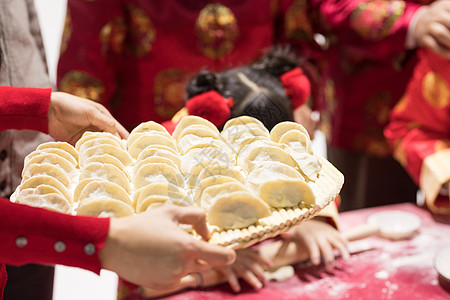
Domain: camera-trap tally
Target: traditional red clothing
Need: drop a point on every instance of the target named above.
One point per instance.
(419, 130)
(136, 56)
(35, 235)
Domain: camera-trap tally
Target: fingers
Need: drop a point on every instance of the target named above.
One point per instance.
(327, 253)
(213, 254)
(194, 216)
(341, 246)
(248, 274)
(313, 250)
(231, 277)
(99, 119)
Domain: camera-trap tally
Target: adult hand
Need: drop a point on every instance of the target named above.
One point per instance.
(70, 116)
(433, 27)
(320, 239)
(151, 250)
(250, 266)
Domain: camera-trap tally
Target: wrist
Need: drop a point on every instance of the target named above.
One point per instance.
(109, 249)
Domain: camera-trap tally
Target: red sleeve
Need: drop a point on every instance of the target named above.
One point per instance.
(420, 123)
(34, 235)
(24, 108)
(372, 29)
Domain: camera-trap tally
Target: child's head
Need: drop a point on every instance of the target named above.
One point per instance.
(257, 90)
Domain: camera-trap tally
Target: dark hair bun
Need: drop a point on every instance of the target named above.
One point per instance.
(204, 81)
(277, 62)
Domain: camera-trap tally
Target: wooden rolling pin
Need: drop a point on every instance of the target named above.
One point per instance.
(291, 254)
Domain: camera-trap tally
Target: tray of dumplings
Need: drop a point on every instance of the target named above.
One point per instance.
(252, 183)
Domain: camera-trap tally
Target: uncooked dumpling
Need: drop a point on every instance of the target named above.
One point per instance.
(49, 158)
(283, 127)
(35, 181)
(283, 192)
(307, 164)
(106, 159)
(158, 150)
(220, 169)
(236, 132)
(296, 140)
(160, 189)
(106, 172)
(199, 130)
(88, 135)
(210, 181)
(242, 120)
(104, 207)
(237, 210)
(61, 145)
(197, 155)
(211, 192)
(51, 201)
(157, 172)
(188, 121)
(148, 140)
(133, 137)
(104, 189)
(191, 141)
(119, 153)
(47, 169)
(149, 126)
(97, 142)
(259, 155)
(153, 159)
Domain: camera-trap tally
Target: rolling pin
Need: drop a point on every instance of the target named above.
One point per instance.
(289, 255)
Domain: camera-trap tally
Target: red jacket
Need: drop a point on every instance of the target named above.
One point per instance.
(35, 235)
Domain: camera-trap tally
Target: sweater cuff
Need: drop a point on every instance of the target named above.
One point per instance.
(35, 235)
(24, 108)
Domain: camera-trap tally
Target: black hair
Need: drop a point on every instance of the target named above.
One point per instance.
(256, 88)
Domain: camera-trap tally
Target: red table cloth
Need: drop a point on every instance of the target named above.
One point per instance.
(394, 270)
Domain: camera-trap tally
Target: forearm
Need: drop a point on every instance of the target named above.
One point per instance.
(34, 235)
(24, 108)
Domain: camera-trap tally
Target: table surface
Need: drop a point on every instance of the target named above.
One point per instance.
(394, 270)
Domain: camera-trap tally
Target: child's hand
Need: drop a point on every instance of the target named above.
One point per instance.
(249, 265)
(433, 27)
(320, 239)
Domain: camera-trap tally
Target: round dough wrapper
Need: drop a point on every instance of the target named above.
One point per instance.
(236, 132)
(104, 207)
(200, 131)
(104, 189)
(157, 172)
(191, 141)
(89, 135)
(133, 137)
(283, 192)
(61, 145)
(64, 154)
(149, 126)
(211, 192)
(152, 160)
(49, 170)
(188, 121)
(283, 127)
(119, 153)
(159, 150)
(237, 210)
(148, 140)
(197, 155)
(35, 181)
(106, 172)
(51, 201)
(259, 155)
(242, 120)
(106, 159)
(160, 189)
(97, 142)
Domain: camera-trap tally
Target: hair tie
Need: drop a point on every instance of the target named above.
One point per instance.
(296, 86)
(211, 106)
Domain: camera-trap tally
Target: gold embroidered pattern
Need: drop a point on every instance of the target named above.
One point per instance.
(81, 84)
(217, 30)
(112, 36)
(297, 25)
(435, 90)
(142, 32)
(373, 20)
(169, 91)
